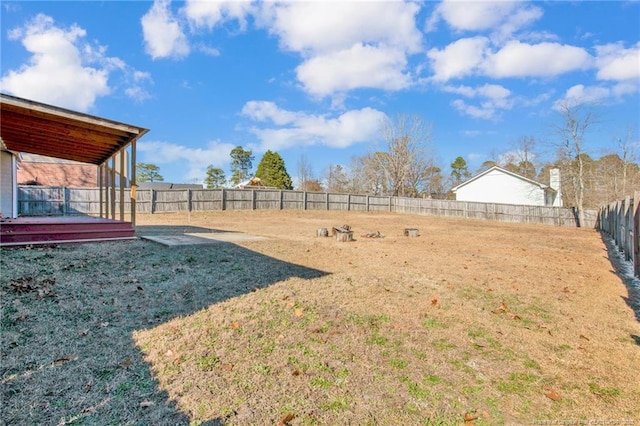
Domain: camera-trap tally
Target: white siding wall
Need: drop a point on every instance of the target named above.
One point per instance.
(498, 187)
(7, 185)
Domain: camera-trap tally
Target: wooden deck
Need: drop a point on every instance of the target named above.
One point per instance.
(58, 230)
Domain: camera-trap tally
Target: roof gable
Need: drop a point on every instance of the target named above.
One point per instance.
(501, 170)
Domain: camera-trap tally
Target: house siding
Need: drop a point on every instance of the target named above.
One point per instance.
(7, 185)
(499, 187)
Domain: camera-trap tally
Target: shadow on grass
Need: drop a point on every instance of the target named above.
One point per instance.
(624, 270)
(69, 314)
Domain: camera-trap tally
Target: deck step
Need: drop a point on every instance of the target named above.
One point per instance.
(27, 231)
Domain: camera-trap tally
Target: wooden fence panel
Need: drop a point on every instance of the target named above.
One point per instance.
(41, 201)
(293, 200)
(267, 199)
(60, 201)
(621, 221)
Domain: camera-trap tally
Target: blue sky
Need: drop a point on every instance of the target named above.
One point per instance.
(314, 79)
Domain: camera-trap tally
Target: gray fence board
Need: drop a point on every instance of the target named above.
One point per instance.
(38, 201)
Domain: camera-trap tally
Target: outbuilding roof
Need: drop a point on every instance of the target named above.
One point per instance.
(500, 169)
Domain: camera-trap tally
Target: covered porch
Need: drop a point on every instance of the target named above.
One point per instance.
(37, 128)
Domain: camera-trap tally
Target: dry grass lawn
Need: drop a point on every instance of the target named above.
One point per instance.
(471, 322)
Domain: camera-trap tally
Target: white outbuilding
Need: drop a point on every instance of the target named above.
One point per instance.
(497, 185)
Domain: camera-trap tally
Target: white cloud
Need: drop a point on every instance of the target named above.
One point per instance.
(501, 18)
(67, 71)
(297, 128)
(493, 98)
(614, 62)
(319, 27)
(459, 58)
(211, 13)
(357, 67)
(194, 160)
(163, 33)
(58, 71)
(518, 59)
(346, 45)
(268, 111)
(581, 94)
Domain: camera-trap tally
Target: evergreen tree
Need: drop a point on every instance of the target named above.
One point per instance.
(459, 170)
(215, 177)
(241, 164)
(272, 171)
(146, 172)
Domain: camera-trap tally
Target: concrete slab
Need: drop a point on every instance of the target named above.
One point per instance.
(201, 238)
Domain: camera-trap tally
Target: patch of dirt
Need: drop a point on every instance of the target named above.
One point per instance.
(470, 322)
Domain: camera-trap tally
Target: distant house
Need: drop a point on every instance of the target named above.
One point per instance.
(497, 185)
(254, 182)
(36, 169)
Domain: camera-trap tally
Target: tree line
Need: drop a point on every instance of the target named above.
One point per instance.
(406, 166)
(271, 171)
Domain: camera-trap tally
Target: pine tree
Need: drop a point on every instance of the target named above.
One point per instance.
(147, 172)
(272, 171)
(241, 163)
(215, 178)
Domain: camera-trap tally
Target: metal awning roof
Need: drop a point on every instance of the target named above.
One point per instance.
(37, 128)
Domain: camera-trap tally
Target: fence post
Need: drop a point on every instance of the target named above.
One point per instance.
(390, 203)
(348, 202)
(189, 199)
(327, 199)
(253, 199)
(153, 200)
(636, 233)
(281, 199)
(628, 229)
(224, 200)
(64, 201)
(367, 208)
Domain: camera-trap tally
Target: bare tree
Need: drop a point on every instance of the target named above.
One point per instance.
(521, 159)
(576, 120)
(305, 172)
(628, 151)
(337, 179)
(405, 162)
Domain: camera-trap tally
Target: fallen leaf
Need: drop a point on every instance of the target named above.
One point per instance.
(235, 325)
(501, 309)
(140, 288)
(296, 372)
(286, 419)
(299, 312)
(146, 404)
(584, 337)
(126, 363)
(434, 301)
(469, 417)
(227, 367)
(84, 332)
(551, 394)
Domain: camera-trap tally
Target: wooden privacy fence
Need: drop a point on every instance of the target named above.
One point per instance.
(621, 221)
(38, 201)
